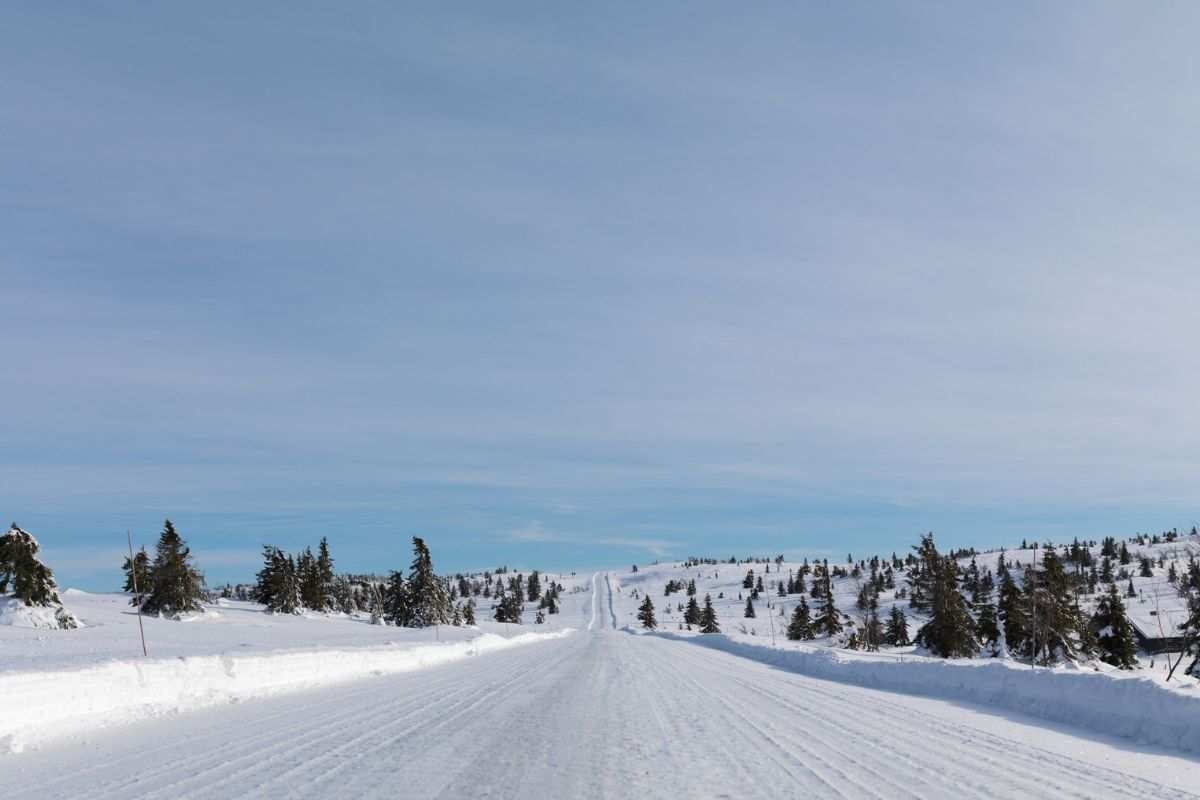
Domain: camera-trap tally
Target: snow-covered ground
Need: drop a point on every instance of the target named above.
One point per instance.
(600, 713)
(96, 676)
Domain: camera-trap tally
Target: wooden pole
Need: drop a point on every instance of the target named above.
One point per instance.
(136, 593)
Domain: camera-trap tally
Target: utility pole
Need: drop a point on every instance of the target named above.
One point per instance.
(136, 592)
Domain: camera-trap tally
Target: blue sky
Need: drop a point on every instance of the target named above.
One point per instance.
(578, 286)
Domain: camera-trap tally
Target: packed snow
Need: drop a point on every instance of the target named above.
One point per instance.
(600, 713)
(232, 651)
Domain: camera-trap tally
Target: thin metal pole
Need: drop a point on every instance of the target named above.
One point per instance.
(771, 617)
(136, 593)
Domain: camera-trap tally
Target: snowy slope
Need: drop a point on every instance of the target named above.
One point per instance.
(598, 714)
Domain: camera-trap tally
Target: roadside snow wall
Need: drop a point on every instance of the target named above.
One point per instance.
(1128, 707)
(35, 706)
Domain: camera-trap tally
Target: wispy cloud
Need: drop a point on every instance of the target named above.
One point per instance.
(536, 532)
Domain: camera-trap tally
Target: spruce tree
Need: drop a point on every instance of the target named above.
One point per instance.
(829, 620)
(395, 600)
(988, 627)
(749, 612)
(468, 612)
(534, 592)
(1013, 615)
(428, 600)
(1114, 633)
(691, 615)
(178, 586)
(138, 578)
(278, 586)
(309, 575)
(325, 593)
(708, 617)
(950, 631)
(896, 631)
(922, 576)
(1051, 612)
(31, 581)
(800, 628)
(646, 614)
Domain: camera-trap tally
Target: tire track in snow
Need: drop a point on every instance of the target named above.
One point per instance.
(595, 594)
(611, 611)
(595, 716)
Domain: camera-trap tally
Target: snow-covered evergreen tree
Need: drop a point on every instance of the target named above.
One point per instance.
(277, 586)
(828, 621)
(395, 600)
(178, 586)
(428, 597)
(1113, 631)
(800, 627)
(325, 592)
(1051, 613)
(895, 631)
(646, 614)
(31, 581)
(1012, 614)
(950, 631)
(708, 617)
(138, 578)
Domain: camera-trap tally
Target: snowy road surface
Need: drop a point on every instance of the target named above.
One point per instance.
(602, 713)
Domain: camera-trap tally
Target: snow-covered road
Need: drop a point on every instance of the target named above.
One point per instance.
(602, 713)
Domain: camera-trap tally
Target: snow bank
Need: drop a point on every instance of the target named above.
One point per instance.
(46, 704)
(16, 614)
(1129, 707)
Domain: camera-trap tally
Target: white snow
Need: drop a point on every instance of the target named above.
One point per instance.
(598, 714)
(96, 676)
(15, 614)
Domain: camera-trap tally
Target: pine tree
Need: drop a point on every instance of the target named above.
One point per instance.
(1116, 640)
(311, 593)
(922, 576)
(469, 612)
(749, 612)
(872, 629)
(428, 600)
(1051, 612)
(646, 614)
(1013, 615)
(691, 616)
(325, 593)
(800, 628)
(950, 631)
(395, 601)
(138, 578)
(178, 586)
(32, 581)
(988, 627)
(534, 587)
(896, 631)
(278, 586)
(829, 620)
(708, 617)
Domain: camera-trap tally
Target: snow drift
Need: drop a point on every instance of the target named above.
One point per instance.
(18, 615)
(1128, 707)
(46, 704)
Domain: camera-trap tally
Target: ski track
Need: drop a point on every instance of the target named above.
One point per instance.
(602, 714)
